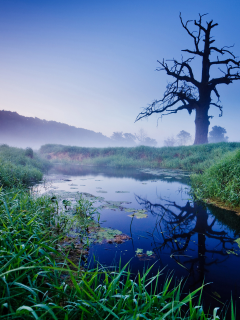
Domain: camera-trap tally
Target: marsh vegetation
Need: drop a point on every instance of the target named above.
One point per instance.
(46, 243)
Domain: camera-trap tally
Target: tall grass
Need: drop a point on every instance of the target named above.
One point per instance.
(191, 158)
(19, 166)
(221, 181)
(38, 281)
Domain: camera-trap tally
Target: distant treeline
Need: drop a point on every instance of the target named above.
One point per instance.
(17, 130)
(20, 131)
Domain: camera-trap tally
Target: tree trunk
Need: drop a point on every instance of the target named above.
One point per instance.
(201, 125)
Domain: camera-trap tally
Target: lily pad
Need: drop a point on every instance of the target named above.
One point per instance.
(101, 235)
(139, 251)
(149, 253)
(122, 191)
(139, 214)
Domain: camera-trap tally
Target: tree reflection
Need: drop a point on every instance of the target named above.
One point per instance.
(176, 230)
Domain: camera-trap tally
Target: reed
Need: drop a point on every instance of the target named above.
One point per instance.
(190, 158)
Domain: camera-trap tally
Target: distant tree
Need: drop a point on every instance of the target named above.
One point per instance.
(141, 136)
(183, 138)
(217, 134)
(29, 152)
(123, 139)
(117, 136)
(188, 93)
(170, 142)
(129, 139)
(150, 142)
(144, 140)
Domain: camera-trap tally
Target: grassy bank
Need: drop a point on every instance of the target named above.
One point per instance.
(190, 158)
(20, 166)
(39, 281)
(220, 183)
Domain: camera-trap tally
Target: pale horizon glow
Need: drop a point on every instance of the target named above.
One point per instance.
(91, 64)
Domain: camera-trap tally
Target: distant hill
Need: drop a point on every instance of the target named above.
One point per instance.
(20, 131)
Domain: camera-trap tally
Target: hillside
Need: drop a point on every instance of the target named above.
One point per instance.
(20, 131)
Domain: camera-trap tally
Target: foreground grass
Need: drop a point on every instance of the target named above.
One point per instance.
(190, 158)
(20, 166)
(220, 182)
(38, 281)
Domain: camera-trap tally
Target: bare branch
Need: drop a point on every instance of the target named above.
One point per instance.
(195, 38)
(222, 51)
(218, 106)
(176, 73)
(237, 63)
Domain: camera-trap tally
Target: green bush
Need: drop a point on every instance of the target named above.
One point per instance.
(221, 181)
(19, 166)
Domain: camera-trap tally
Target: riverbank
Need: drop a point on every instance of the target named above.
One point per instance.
(220, 184)
(189, 158)
(41, 266)
(216, 181)
(20, 166)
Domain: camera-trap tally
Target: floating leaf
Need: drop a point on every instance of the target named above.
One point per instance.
(149, 253)
(122, 191)
(138, 215)
(139, 251)
(238, 242)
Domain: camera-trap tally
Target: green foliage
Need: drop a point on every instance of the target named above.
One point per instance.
(38, 281)
(29, 152)
(19, 166)
(217, 134)
(192, 158)
(221, 181)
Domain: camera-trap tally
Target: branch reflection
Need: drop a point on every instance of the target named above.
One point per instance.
(189, 228)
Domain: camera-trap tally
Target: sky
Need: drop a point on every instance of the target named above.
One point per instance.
(92, 64)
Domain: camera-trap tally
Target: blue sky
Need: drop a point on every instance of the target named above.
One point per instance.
(92, 63)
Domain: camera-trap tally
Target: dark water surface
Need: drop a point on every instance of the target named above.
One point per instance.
(195, 241)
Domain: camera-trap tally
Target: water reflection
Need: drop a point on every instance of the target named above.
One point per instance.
(190, 228)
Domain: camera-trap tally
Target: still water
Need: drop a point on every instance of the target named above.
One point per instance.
(197, 243)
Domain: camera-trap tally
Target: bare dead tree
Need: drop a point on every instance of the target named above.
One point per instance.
(187, 93)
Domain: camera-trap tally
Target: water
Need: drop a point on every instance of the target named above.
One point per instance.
(194, 241)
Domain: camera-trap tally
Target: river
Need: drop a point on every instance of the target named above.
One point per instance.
(189, 240)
